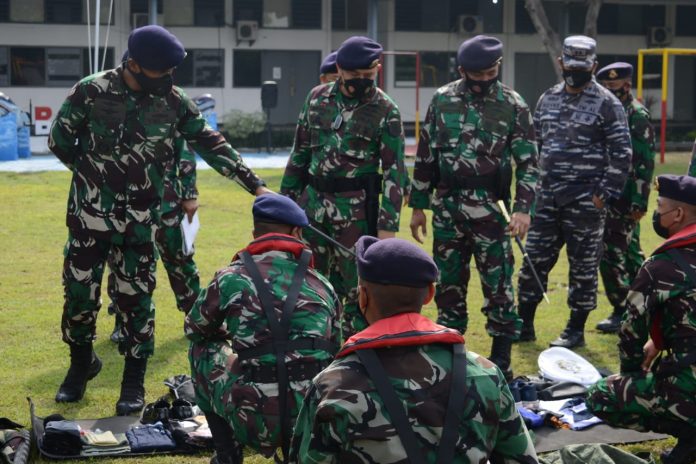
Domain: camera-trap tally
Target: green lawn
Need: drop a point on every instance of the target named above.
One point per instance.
(34, 360)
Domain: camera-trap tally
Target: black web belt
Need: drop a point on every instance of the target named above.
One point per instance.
(455, 406)
(297, 371)
(279, 330)
(489, 182)
(369, 182)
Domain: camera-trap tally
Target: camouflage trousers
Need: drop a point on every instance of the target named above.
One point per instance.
(621, 257)
(479, 231)
(579, 226)
(340, 266)
(132, 281)
(692, 165)
(637, 401)
(252, 409)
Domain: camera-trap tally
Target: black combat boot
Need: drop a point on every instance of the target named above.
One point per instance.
(611, 324)
(132, 397)
(685, 451)
(227, 450)
(527, 311)
(84, 366)
(116, 336)
(500, 355)
(574, 334)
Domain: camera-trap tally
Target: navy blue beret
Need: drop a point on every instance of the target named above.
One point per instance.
(679, 188)
(278, 209)
(155, 48)
(358, 52)
(394, 261)
(615, 71)
(328, 66)
(480, 52)
(124, 58)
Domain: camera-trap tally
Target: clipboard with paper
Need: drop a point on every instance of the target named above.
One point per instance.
(189, 230)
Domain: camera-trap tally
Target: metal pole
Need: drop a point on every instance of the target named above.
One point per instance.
(663, 104)
(418, 71)
(269, 139)
(372, 19)
(97, 21)
(152, 11)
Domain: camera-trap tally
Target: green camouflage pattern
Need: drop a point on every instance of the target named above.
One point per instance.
(124, 141)
(131, 283)
(634, 399)
(343, 417)
(621, 232)
(466, 135)
(692, 165)
(227, 318)
(369, 140)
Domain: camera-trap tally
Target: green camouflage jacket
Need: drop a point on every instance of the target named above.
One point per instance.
(180, 180)
(692, 166)
(370, 136)
(466, 135)
(637, 189)
(117, 143)
(343, 416)
(662, 299)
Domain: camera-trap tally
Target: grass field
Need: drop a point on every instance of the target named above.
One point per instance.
(33, 359)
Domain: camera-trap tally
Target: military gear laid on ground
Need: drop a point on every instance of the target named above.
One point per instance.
(592, 453)
(15, 442)
(563, 365)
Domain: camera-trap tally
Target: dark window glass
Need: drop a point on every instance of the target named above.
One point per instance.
(4, 10)
(201, 68)
(88, 54)
(349, 15)
(143, 6)
(306, 14)
(407, 15)
(443, 15)
(63, 11)
(247, 10)
(28, 66)
(629, 19)
(4, 67)
(209, 13)
(564, 18)
(63, 66)
(437, 69)
(246, 68)
(685, 20)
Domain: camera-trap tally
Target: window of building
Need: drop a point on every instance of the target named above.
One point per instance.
(443, 15)
(246, 68)
(63, 66)
(247, 10)
(565, 18)
(201, 68)
(296, 14)
(685, 20)
(629, 19)
(143, 6)
(64, 11)
(437, 69)
(209, 13)
(27, 11)
(28, 66)
(4, 67)
(4, 10)
(48, 66)
(349, 15)
(108, 60)
(178, 13)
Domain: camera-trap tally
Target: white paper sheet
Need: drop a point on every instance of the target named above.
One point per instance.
(189, 231)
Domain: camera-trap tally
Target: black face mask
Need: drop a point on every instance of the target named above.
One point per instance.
(660, 230)
(576, 78)
(159, 86)
(620, 93)
(483, 85)
(358, 87)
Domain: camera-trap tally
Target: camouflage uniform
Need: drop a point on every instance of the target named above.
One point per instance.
(585, 149)
(343, 416)
(661, 304)
(465, 136)
(370, 136)
(228, 319)
(692, 166)
(622, 234)
(125, 142)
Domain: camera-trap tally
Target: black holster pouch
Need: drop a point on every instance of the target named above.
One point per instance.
(504, 177)
(373, 187)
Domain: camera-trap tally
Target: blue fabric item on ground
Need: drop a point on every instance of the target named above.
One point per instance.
(573, 412)
(531, 419)
(149, 438)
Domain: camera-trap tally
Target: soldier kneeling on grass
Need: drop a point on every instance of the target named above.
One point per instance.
(265, 326)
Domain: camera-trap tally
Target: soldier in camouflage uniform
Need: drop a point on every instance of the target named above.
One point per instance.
(235, 335)
(474, 128)
(659, 393)
(346, 131)
(405, 389)
(692, 166)
(622, 230)
(116, 133)
(585, 156)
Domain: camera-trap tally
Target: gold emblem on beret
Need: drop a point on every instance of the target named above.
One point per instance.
(613, 74)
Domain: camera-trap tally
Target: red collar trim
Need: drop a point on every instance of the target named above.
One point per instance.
(686, 236)
(404, 329)
(275, 242)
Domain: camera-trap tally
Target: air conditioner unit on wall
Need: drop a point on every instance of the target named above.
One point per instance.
(469, 25)
(247, 30)
(659, 36)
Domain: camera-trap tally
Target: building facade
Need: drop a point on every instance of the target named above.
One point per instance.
(235, 45)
